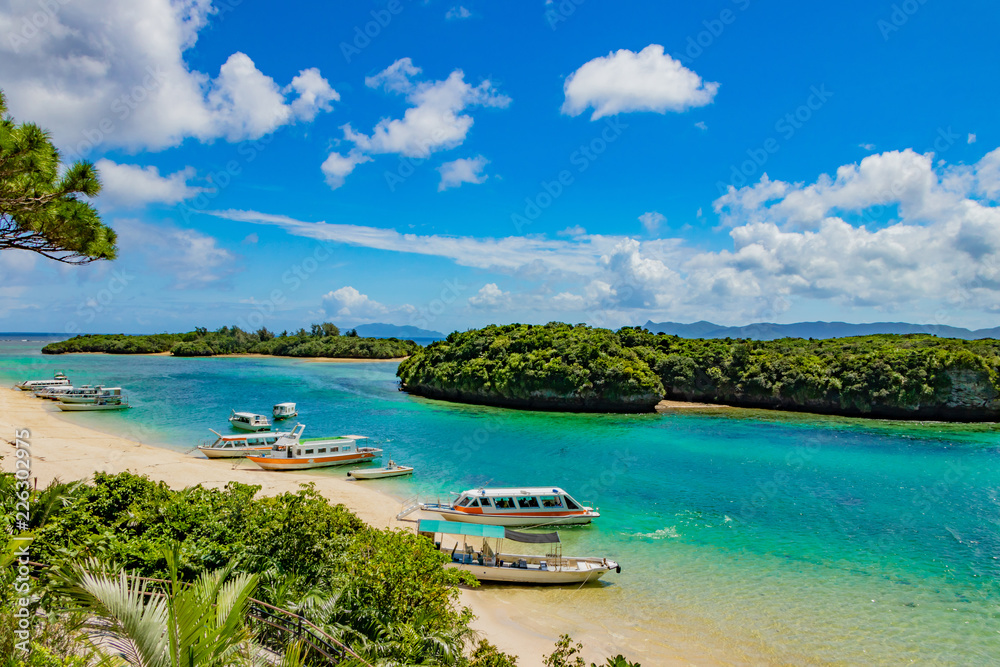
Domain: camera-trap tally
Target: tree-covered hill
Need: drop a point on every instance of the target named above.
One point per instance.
(323, 340)
(563, 367)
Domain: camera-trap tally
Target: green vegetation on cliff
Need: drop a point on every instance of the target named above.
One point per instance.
(324, 340)
(563, 367)
(555, 366)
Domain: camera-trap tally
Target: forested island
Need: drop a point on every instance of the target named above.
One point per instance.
(322, 340)
(579, 368)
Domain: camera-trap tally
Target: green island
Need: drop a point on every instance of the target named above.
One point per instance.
(580, 368)
(210, 554)
(322, 340)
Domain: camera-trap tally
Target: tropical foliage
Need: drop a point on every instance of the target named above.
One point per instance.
(559, 366)
(323, 340)
(383, 593)
(41, 204)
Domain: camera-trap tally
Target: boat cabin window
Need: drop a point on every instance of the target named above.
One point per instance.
(570, 504)
(464, 502)
(321, 450)
(527, 502)
(335, 449)
(551, 501)
(309, 451)
(484, 502)
(271, 441)
(504, 503)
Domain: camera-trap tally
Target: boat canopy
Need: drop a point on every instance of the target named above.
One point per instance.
(459, 528)
(484, 530)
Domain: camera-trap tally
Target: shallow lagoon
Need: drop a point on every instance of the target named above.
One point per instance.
(745, 536)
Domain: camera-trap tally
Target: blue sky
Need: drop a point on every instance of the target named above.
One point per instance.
(452, 164)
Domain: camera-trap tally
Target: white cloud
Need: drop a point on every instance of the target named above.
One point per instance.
(349, 303)
(971, 139)
(337, 167)
(457, 12)
(436, 120)
(626, 81)
(490, 296)
(894, 232)
(651, 221)
(988, 175)
(113, 73)
(904, 177)
(867, 147)
(463, 170)
(193, 259)
(701, 125)
(314, 94)
(130, 185)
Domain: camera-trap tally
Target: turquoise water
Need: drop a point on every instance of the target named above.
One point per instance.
(753, 536)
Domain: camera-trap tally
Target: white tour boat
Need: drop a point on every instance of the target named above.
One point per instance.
(490, 563)
(103, 403)
(316, 453)
(58, 393)
(525, 506)
(54, 393)
(239, 446)
(391, 470)
(58, 380)
(284, 411)
(91, 395)
(248, 421)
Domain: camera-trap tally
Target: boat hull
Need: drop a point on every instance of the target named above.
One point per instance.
(511, 520)
(232, 452)
(593, 570)
(378, 473)
(248, 427)
(86, 407)
(273, 463)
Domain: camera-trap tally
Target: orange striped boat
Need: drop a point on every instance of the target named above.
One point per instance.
(525, 506)
(306, 454)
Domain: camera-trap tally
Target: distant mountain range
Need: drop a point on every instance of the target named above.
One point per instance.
(771, 331)
(380, 330)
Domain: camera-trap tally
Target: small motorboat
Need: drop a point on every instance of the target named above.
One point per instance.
(391, 470)
(91, 395)
(490, 563)
(284, 411)
(102, 403)
(525, 506)
(241, 446)
(316, 453)
(248, 421)
(58, 380)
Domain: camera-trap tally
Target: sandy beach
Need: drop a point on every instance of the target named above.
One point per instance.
(526, 622)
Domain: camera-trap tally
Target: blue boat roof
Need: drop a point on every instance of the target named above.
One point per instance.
(458, 528)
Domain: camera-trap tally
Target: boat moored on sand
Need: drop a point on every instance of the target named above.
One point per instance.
(240, 446)
(58, 380)
(89, 395)
(391, 470)
(525, 506)
(248, 421)
(317, 453)
(489, 562)
(102, 403)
